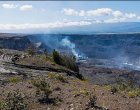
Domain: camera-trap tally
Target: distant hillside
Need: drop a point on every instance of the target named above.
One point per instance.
(122, 27)
(92, 28)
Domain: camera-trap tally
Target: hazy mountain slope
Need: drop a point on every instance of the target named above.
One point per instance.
(123, 27)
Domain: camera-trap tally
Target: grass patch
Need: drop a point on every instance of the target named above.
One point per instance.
(134, 93)
(125, 87)
(15, 79)
(106, 87)
(59, 77)
(85, 80)
(81, 92)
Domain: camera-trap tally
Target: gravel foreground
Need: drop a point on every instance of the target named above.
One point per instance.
(67, 92)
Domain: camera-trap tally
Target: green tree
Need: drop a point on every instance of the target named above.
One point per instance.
(56, 57)
(31, 50)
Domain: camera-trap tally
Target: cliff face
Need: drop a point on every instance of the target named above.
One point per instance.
(101, 46)
(107, 45)
(121, 49)
(17, 43)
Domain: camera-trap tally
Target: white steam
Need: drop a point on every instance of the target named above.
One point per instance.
(125, 61)
(61, 43)
(67, 43)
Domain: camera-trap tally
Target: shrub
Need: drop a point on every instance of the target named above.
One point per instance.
(114, 90)
(46, 53)
(56, 57)
(70, 63)
(125, 85)
(15, 101)
(15, 79)
(82, 92)
(134, 93)
(65, 60)
(31, 50)
(107, 87)
(2, 105)
(42, 86)
(59, 77)
(92, 101)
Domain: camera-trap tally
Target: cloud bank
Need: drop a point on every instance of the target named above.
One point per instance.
(17, 6)
(9, 6)
(26, 7)
(113, 15)
(44, 25)
(87, 17)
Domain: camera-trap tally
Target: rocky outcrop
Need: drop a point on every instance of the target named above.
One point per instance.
(8, 66)
(17, 43)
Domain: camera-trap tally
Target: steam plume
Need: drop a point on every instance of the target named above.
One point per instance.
(67, 43)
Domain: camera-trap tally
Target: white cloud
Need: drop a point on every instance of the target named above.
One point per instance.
(117, 14)
(138, 17)
(9, 6)
(20, 7)
(99, 12)
(82, 13)
(58, 24)
(112, 15)
(130, 15)
(69, 11)
(26, 7)
(44, 25)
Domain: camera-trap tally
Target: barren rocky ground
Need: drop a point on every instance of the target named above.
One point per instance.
(67, 91)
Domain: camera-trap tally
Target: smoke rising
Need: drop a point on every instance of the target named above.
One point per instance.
(58, 42)
(112, 50)
(67, 43)
(127, 62)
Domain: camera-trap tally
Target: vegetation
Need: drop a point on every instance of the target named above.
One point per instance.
(134, 93)
(122, 86)
(70, 63)
(42, 88)
(92, 101)
(2, 105)
(81, 92)
(65, 60)
(59, 77)
(114, 90)
(127, 87)
(46, 52)
(31, 50)
(14, 101)
(56, 57)
(14, 79)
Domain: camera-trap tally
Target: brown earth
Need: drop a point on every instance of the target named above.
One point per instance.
(68, 94)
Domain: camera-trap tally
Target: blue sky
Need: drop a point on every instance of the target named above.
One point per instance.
(47, 15)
